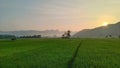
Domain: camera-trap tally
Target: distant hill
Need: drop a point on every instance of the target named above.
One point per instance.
(46, 33)
(100, 32)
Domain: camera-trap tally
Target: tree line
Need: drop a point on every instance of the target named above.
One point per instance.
(33, 36)
(66, 35)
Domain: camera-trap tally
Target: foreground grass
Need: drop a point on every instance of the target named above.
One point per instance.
(56, 53)
(36, 53)
(99, 53)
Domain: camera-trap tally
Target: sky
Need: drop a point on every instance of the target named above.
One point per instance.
(62, 15)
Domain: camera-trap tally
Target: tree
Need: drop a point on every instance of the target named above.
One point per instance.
(13, 39)
(106, 36)
(66, 34)
(119, 36)
(110, 36)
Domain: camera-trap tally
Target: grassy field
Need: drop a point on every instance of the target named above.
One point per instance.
(60, 53)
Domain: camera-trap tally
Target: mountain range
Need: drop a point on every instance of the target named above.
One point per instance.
(45, 33)
(100, 32)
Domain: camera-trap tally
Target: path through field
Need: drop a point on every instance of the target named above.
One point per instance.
(72, 60)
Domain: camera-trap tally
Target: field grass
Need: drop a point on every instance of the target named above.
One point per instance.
(60, 53)
(99, 53)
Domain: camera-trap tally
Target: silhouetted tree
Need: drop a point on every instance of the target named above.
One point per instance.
(63, 36)
(14, 38)
(119, 36)
(66, 34)
(106, 36)
(110, 36)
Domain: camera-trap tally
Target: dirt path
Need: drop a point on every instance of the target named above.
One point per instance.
(72, 60)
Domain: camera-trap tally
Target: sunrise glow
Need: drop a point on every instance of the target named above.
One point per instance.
(62, 15)
(105, 23)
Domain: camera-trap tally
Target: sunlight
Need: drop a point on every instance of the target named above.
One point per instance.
(105, 23)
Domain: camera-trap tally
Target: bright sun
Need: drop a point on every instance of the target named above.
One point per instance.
(105, 23)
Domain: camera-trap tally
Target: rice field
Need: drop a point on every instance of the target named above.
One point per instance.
(60, 53)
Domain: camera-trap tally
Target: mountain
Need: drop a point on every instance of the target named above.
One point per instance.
(100, 32)
(45, 33)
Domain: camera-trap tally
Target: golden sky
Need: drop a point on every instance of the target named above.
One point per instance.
(74, 15)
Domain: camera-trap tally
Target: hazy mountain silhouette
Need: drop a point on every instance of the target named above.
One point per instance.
(48, 33)
(99, 32)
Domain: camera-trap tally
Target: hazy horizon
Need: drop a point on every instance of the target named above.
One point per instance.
(60, 15)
